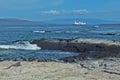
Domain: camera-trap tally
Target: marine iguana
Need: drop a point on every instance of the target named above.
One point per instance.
(14, 65)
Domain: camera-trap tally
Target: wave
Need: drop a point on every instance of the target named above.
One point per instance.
(42, 31)
(72, 31)
(96, 26)
(39, 31)
(23, 45)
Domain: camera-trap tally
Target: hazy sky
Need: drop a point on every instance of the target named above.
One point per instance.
(52, 9)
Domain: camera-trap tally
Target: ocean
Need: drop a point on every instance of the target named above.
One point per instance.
(15, 40)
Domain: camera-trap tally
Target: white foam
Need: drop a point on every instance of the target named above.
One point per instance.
(72, 31)
(58, 31)
(24, 46)
(96, 41)
(39, 31)
(96, 26)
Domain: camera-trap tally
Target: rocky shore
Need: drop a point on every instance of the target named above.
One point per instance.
(11, 70)
(97, 60)
(93, 53)
(87, 48)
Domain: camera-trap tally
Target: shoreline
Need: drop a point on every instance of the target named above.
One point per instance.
(97, 59)
(87, 49)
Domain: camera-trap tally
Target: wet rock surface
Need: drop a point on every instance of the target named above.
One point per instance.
(93, 53)
(88, 48)
(29, 59)
(106, 63)
(110, 34)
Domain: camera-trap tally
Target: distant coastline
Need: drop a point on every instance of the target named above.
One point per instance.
(18, 22)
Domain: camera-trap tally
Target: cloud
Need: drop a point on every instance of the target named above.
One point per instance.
(67, 12)
(28, 4)
(80, 11)
(52, 12)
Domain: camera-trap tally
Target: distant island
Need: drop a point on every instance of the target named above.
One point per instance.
(19, 22)
(69, 21)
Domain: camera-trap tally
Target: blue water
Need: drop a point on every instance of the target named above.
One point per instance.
(8, 34)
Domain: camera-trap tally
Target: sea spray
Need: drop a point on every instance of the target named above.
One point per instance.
(24, 45)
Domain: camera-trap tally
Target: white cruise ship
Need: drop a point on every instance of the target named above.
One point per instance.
(79, 23)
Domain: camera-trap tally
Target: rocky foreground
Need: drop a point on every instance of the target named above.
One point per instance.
(97, 60)
(54, 71)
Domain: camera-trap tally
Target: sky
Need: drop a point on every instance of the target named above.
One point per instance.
(41, 10)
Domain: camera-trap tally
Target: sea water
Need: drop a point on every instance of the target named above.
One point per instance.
(14, 40)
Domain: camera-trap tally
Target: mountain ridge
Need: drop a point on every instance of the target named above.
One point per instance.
(19, 22)
(67, 21)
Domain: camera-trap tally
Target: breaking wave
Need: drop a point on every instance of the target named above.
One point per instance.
(39, 31)
(59, 31)
(23, 45)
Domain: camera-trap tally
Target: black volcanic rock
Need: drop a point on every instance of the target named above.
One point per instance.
(87, 49)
